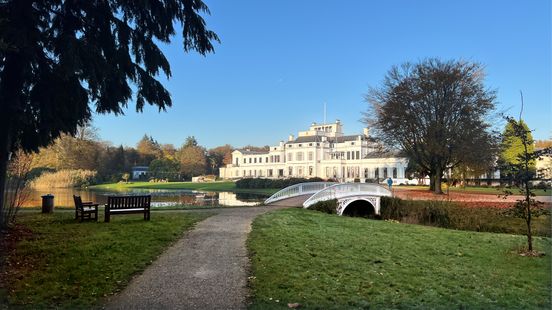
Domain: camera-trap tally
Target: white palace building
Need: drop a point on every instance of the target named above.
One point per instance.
(324, 152)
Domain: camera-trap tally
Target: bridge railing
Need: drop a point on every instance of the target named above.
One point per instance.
(340, 190)
(298, 190)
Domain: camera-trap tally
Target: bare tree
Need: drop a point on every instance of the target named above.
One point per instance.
(16, 191)
(437, 112)
(521, 172)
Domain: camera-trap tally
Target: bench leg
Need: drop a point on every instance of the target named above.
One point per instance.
(147, 215)
(106, 219)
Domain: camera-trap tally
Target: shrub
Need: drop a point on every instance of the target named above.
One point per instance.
(328, 206)
(272, 183)
(453, 216)
(65, 179)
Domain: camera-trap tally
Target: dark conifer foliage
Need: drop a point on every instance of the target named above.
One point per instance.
(62, 60)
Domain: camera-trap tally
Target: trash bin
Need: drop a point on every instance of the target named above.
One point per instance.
(48, 203)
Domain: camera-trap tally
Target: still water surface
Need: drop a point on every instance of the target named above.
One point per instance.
(63, 197)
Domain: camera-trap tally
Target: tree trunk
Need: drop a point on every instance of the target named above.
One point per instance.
(437, 181)
(4, 157)
(431, 181)
(529, 233)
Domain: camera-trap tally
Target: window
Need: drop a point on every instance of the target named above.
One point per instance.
(290, 171)
(300, 171)
(394, 173)
(237, 161)
(300, 145)
(366, 173)
(249, 160)
(352, 143)
(357, 154)
(376, 173)
(244, 173)
(299, 156)
(269, 173)
(290, 157)
(277, 158)
(311, 156)
(245, 161)
(348, 155)
(311, 170)
(255, 160)
(266, 160)
(280, 172)
(385, 173)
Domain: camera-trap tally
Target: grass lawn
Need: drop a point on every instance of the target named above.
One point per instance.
(212, 187)
(477, 190)
(326, 262)
(66, 264)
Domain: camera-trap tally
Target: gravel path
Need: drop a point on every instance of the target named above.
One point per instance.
(207, 269)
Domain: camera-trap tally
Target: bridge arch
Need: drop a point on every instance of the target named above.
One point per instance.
(360, 207)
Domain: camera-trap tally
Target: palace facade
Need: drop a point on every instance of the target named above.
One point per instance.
(322, 151)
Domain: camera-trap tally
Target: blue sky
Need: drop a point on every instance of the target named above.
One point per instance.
(279, 61)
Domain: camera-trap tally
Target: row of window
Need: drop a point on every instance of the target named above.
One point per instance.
(254, 160)
(301, 144)
(354, 172)
(331, 172)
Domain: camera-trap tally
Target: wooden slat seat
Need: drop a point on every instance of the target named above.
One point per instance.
(85, 210)
(128, 205)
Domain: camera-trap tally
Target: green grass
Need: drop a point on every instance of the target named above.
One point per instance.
(327, 262)
(478, 190)
(66, 264)
(213, 187)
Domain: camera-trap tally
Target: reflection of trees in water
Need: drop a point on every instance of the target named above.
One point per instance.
(64, 197)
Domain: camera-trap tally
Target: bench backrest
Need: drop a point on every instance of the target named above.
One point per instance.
(78, 201)
(128, 202)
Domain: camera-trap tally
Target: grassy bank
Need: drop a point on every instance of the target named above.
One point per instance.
(208, 187)
(65, 264)
(326, 262)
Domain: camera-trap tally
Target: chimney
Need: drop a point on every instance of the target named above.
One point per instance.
(291, 138)
(365, 131)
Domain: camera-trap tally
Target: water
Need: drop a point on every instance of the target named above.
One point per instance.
(159, 198)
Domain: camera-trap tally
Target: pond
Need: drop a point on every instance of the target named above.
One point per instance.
(63, 197)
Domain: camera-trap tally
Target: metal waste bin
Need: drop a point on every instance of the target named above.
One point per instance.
(48, 203)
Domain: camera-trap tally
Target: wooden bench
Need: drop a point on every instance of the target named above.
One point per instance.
(85, 210)
(126, 205)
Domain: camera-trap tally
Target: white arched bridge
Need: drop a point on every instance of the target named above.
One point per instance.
(352, 198)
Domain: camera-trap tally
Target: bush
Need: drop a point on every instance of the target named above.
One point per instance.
(433, 213)
(453, 216)
(272, 183)
(328, 206)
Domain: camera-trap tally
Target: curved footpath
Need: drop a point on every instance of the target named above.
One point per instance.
(206, 269)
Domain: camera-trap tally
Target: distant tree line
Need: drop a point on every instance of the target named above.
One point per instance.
(85, 151)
